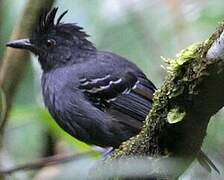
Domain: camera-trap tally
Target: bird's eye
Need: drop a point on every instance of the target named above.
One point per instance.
(50, 43)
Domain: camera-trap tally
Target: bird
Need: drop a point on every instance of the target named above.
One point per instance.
(96, 96)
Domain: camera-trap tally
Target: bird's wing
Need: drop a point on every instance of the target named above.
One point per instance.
(131, 94)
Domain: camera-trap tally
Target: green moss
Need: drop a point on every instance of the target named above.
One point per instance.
(175, 116)
(183, 57)
(182, 84)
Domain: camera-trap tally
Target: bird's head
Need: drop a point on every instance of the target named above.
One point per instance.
(55, 43)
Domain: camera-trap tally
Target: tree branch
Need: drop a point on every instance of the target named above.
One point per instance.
(48, 161)
(14, 61)
(183, 106)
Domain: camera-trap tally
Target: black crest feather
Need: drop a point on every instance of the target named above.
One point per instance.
(47, 23)
(47, 19)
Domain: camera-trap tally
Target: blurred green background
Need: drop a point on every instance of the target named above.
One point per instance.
(140, 30)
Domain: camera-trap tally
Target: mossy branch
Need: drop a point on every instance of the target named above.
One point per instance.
(191, 94)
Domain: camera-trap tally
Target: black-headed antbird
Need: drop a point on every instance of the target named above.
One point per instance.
(96, 96)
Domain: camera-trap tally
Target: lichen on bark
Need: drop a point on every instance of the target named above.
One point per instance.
(194, 86)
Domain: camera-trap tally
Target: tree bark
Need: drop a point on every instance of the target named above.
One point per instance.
(191, 94)
(15, 62)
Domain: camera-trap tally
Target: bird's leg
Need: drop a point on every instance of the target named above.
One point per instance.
(105, 151)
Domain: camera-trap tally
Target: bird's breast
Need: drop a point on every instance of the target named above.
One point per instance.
(52, 92)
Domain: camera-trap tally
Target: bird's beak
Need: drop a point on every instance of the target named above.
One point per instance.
(22, 44)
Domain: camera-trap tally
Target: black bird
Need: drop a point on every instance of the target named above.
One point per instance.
(98, 97)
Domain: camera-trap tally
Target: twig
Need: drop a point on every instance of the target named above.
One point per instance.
(14, 62)
(48, 161)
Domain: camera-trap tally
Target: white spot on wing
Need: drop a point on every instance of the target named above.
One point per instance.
(100, 79)
(83, 80)
(115, 82)
(86, 82)
(134, 87)
(110, 100)
(101, 88)
(127, 91)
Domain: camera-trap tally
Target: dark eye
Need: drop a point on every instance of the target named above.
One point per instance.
(50, 43)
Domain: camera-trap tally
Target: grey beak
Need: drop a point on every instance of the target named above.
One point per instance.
(22, 44)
